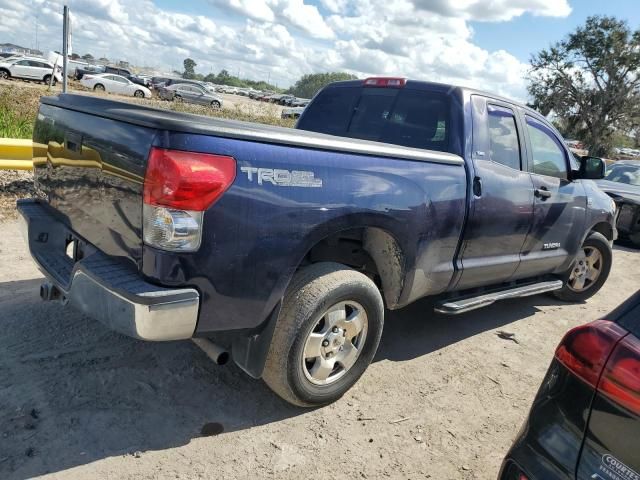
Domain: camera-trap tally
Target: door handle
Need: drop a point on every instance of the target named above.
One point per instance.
(542, 193)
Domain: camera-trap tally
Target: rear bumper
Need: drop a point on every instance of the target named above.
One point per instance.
(105, 288)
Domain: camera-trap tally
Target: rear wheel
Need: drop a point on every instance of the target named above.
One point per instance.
(327, 333)
(589, 270)
(138, 94)
(4, 74)
(98, 87)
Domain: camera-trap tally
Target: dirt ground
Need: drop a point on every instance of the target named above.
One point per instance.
(443, 399)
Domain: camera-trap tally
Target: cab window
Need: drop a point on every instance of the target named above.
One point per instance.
(548, 155)
(503, 137)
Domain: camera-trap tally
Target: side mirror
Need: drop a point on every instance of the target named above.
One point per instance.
(591, 168)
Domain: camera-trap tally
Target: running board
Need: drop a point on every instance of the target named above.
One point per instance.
(454, 306)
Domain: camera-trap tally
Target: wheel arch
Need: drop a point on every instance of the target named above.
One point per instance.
(603, 228)
(370, 248)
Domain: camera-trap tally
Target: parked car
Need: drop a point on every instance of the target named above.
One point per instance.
(585, 419)
(622, 183)
(291, 112)
(110, 83)
(284, 98)
(190, 93)
(300, 102)
(90, 69)
(286, 240)
(30, 68)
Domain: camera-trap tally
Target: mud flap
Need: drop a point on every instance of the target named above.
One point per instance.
(250, 352)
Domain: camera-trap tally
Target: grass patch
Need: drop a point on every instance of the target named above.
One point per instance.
(19, 107)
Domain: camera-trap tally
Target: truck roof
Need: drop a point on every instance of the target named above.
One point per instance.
(463, 92)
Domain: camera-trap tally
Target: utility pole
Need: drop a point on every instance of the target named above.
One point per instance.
(65, 46)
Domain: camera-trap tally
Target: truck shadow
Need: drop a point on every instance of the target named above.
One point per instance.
(417, 330)
(72, 392)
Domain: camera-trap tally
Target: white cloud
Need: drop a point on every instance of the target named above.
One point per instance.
(284, 39)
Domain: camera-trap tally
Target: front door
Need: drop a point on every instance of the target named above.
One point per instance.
(501, 209)
(560, 205)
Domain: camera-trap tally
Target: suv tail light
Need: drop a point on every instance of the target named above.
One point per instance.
(385, 82)
(606, 357)
(620, 380)
(178, 187)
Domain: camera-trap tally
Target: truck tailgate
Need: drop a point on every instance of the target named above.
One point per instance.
(91, 170)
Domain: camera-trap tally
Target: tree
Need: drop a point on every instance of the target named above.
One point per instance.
(189, 68)
(590, 81)
(308, 85)
(104, 60)
(74, 56)
(88, 57)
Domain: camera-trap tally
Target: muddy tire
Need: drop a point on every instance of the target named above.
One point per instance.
(589, 271)
(326, 336)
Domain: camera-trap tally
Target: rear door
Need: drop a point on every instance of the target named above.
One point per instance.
(611, 449)
(22, 69)
(560, 204)
(502, 205)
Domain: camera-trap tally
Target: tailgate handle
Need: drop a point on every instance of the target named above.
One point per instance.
(73, 142)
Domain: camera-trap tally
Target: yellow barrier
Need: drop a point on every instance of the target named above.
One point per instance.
(16, 154)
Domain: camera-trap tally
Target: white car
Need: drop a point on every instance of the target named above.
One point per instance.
(30, 68)
(109, 82)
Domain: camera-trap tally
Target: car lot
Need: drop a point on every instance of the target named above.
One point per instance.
(443, 399)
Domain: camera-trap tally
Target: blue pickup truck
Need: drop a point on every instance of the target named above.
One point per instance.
(288, 244)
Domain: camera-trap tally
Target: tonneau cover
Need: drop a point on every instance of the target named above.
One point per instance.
(182, 122)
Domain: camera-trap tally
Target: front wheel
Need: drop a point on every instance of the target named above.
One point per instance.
(589, 271)
(4, 74)
(327, 333)
(98, 87)
(215, 104)
(47, 79)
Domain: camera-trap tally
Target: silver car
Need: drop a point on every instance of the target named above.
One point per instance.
(190, 93)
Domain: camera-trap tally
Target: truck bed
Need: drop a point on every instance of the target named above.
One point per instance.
(167, 120)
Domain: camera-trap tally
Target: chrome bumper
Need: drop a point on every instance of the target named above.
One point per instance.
(107, 289)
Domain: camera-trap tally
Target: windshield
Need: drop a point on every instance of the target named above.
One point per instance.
(624, 173)
(412, 118)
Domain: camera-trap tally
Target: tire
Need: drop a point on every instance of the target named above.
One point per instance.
(177, 98)
(47, 78)
(318, 295)
(634, 238)
(5, 74)
(571, 291)
(98, 87)
(138, 94)
(215, 104)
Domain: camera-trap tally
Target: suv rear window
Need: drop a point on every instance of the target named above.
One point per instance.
(412, 118)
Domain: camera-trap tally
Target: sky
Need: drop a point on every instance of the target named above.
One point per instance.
(484, 44)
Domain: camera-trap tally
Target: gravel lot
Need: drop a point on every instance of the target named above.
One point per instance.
(443, 399)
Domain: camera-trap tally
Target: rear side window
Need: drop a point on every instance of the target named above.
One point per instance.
(548, 156)
(411, 118)
(503, 137)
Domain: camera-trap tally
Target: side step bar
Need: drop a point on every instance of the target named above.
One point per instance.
(453, 306)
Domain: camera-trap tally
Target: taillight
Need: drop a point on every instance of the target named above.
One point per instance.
(585, 349)
(620, 380)
(178, 187)
(385, 82)
(88, 77)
